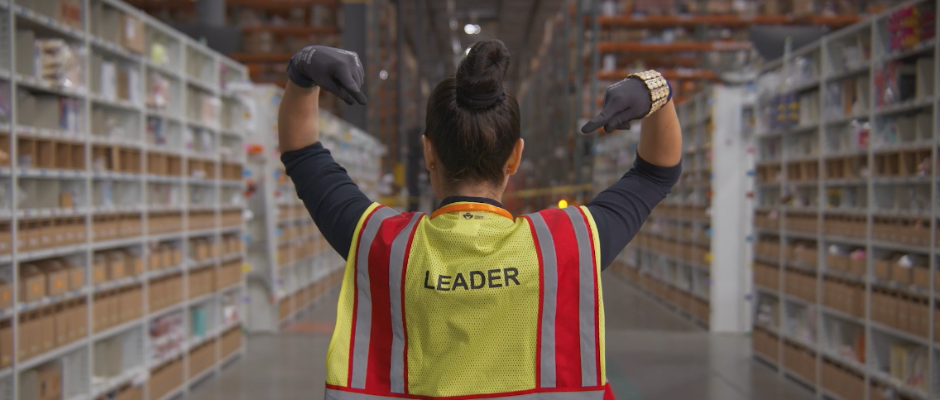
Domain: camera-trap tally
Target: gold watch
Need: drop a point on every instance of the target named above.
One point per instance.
(659, 89)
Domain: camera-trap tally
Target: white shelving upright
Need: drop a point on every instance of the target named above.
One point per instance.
(692, 253)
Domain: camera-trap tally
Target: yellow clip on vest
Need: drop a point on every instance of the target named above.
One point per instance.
(470, 304)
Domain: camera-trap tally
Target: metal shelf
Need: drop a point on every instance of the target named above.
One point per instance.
(863, 198)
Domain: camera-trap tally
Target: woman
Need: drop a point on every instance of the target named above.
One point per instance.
(471, 302)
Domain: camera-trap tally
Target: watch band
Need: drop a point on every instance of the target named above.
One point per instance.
(660, 91)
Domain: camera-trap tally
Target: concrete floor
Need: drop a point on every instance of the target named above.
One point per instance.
(651, 354)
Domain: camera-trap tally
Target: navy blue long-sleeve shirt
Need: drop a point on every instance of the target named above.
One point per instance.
(336, 203)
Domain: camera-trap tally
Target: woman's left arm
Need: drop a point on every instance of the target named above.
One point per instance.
(620, 211)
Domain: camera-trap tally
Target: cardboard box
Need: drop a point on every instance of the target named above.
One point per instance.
(901, 275)
(5, 238)
(134, 263)
(155, 260)
(6, 345)
(176, 256)
(117, 267)
(902, 321)
(132, 33)
(130, 393)
(71, 315)
(32, 283)
(76, 277)
(57, 277)
(157, 295)
(61, 318)
(6, 294)
(99, 269)
(883, 269)
(921, 277)
(43, 383)
(167, 255)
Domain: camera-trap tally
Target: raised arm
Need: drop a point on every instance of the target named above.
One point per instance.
(335, 70)
(620, 210)
(297, 118)
(329, 194)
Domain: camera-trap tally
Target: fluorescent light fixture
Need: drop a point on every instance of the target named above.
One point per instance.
(471, 29)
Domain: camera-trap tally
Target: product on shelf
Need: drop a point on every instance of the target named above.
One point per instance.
(167, 336)
(117, 306)
(910, 26)
(41, 383)
(41, 330)
(231, 342)
(165, 292)
(49, 277)
(165, 379)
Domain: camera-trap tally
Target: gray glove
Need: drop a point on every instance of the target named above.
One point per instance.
(337, 71)
(624, 101)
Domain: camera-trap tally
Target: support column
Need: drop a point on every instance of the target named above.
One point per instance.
(354, 39)
(211, 12)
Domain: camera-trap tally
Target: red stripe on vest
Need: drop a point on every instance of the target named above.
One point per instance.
(404, 319)
(597, 296)
(380, 338)
(355, 289)
(538, 336)
(567, 321)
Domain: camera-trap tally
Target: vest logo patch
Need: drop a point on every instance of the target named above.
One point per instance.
(492, 278)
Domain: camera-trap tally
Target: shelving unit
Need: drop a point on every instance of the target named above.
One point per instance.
(292, 264)
(845, 251)
(689, 39)
(121, 230)
(691, 254)
(271, 31)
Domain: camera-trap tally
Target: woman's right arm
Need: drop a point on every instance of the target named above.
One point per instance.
(329, 194)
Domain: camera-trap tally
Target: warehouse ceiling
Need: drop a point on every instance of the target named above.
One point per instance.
(518, 23)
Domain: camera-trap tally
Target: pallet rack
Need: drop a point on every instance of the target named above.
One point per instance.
(674, 37)
(691, 252)
(846, 253)
(292, 264)
(122, 227)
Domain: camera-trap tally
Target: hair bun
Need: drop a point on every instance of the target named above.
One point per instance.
(480, 74)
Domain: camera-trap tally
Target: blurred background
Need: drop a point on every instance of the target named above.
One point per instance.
(152, 248)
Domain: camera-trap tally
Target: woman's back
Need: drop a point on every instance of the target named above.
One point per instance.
(469, 302)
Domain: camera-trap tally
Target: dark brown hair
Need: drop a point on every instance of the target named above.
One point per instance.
(471, 121)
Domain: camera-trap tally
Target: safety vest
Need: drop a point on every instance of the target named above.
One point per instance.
(470, 303)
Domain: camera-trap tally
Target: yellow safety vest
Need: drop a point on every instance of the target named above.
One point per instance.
(470, 303)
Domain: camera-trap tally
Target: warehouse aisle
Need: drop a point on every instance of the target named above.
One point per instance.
(651, 355)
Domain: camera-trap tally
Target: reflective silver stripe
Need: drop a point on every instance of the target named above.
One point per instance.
(395, 270)
(549, 299)
(585, 298)
(332, 394)
(360, 357)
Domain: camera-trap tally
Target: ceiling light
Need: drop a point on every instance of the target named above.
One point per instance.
(383, 74)
(471, 29)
